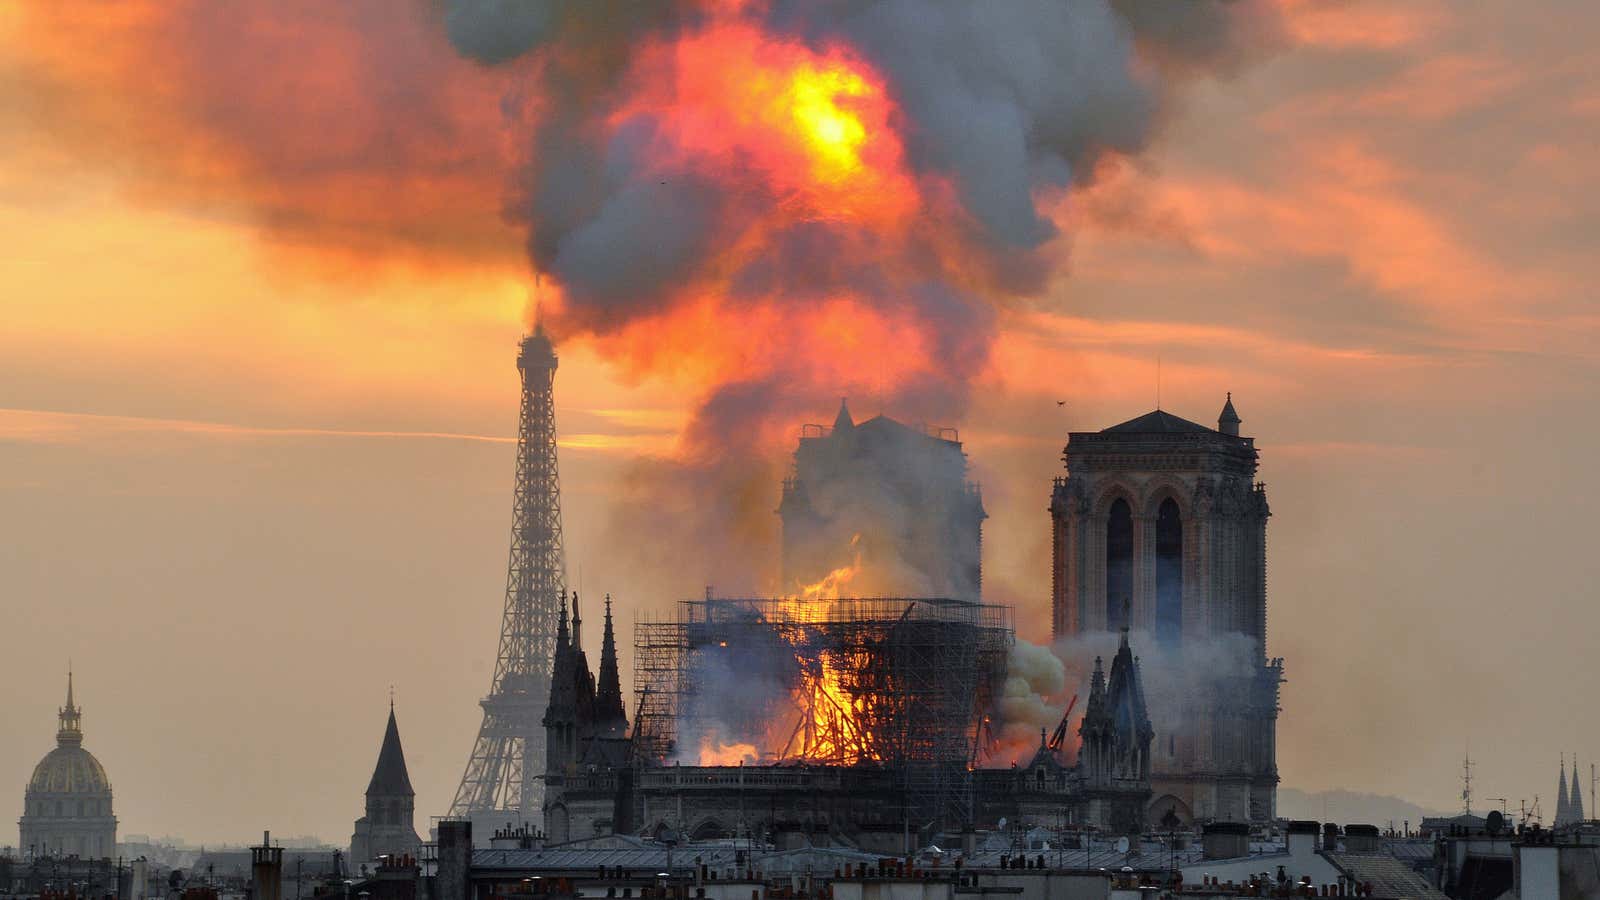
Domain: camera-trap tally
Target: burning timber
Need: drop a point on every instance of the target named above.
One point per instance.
(895, 682)
(857, 721)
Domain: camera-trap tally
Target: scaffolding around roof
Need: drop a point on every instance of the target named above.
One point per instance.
(901, 682)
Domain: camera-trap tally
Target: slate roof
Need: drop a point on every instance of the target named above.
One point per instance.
(1157, 422)
(1390, 878)
(389, 777)
(1229, 414)
(642, 857)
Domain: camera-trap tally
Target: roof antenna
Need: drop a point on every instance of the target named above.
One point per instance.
(1158, 382)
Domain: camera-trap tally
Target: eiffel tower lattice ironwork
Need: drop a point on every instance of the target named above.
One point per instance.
(504, 774)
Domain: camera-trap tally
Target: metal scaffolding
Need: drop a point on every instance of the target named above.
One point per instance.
(882, 681)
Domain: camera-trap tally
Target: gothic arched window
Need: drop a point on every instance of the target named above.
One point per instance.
(1169, 572)
(1119, 564)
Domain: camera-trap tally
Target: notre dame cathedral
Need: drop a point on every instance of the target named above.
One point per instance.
(1159, 526)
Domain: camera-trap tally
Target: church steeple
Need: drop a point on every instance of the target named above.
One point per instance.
(390, 777)
(1228, 422)
(1575, 805)
(611, 720)
(561, 697)
(389, 827)
(1563, 799)
(71, 730)
(843, 422)
(561, 626)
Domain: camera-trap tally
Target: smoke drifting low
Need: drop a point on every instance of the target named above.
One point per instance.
(1042, 681)
(1172, 677)
(816, 198)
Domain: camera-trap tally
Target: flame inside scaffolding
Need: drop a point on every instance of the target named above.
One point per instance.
(901, 682)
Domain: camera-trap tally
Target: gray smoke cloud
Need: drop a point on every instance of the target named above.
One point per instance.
(1033, 700)
(1006, 99)
(734, 693)
(1172, 677)
(1003, 105)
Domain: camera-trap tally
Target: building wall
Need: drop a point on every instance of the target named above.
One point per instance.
(894, 496)
(1217, 757)
(68, 824)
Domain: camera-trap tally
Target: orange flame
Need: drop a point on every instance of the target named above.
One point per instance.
(809, 129)
(795, 135)
(714, 752)
(830, 586)
(829, 726)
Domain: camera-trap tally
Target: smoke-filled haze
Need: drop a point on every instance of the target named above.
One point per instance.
(265, 267)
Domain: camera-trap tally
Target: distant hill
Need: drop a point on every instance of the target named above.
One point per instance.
(1346, 807)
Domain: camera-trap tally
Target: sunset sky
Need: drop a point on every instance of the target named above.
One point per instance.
(262, 282)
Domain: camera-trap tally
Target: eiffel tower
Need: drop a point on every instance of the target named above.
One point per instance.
(503, 777)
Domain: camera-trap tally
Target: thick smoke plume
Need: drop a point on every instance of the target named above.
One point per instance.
(815, 198)
(1034, 700)
(1042, 681)
(1172, 677)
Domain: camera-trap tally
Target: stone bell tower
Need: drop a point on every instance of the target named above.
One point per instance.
(1160, 526)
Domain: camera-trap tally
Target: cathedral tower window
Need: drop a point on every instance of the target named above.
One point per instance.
(1169, 572)
(1119, 564)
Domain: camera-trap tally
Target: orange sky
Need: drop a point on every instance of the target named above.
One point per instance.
(257, 387)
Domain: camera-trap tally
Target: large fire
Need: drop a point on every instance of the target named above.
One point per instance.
(810, 131)
(830, 586)
(829, 726)
(803, 148)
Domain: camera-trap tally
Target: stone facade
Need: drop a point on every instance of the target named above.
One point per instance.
(587, 759)
(1114, 752)
(66, 808)
(1109, 786)
(894, 498)
(1160, 526)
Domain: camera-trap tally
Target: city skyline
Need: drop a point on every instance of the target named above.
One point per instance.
(251, 476)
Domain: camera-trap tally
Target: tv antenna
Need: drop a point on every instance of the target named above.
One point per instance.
(1466, 783)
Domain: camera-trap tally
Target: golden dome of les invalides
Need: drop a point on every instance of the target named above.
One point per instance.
(67, 806)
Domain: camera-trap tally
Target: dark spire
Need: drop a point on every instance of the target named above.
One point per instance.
(389, 777)
(1575, 805)
(1228, 422)
(610, 717)
(561, 693)
(577, 625)
(1116, 725)
(1563, 799)
(843, 422)
(561, 628)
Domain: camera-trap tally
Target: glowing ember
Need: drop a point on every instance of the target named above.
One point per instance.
(830, 585)
(810, 131)
(828, 728)
(714, 752)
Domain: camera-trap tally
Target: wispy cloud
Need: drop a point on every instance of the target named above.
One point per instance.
(38, 426)
(55, 427)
